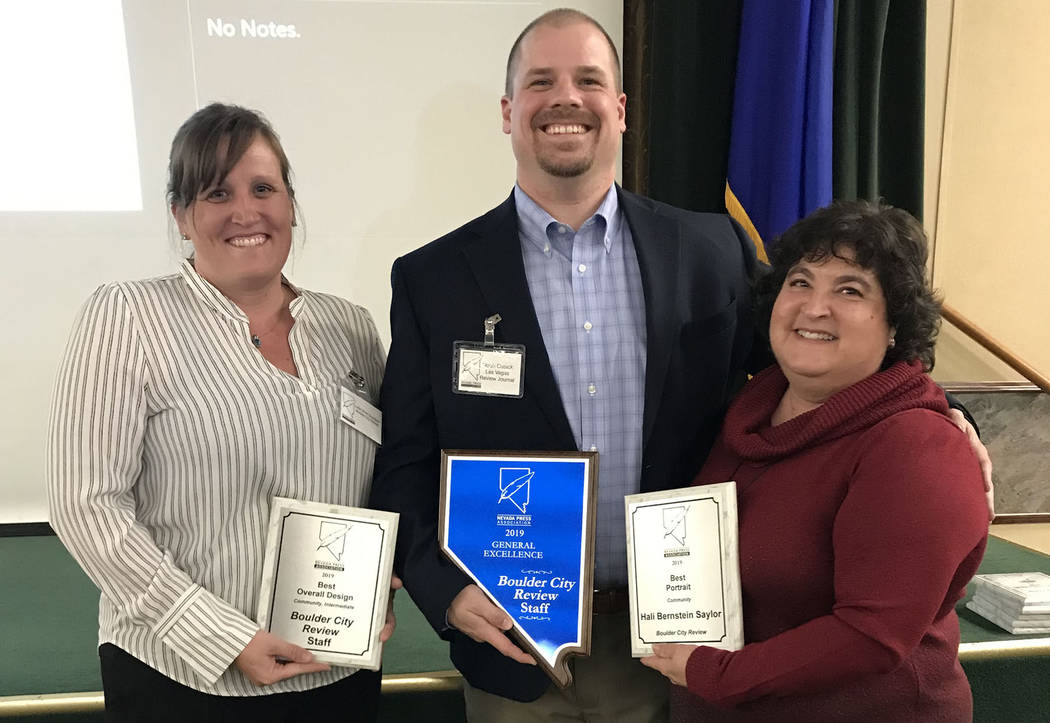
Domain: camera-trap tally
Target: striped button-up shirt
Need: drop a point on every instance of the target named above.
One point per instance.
(587, 292)
(170, 433)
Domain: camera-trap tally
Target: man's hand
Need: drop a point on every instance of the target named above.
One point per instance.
(982, 456)
(391, 619)
(670, 659)
(267, 659)
(473, 614)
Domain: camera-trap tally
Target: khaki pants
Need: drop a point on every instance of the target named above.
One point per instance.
(609, 686)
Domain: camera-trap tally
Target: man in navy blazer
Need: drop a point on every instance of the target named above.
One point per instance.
(564, 111)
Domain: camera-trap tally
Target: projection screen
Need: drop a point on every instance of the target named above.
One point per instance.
(389, 112)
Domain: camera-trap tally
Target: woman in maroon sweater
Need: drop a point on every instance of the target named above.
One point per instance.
(862, 511)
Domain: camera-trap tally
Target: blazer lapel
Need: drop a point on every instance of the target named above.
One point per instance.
(495, 259)
(657, 243)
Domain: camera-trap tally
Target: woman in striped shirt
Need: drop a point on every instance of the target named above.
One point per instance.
(184, 404)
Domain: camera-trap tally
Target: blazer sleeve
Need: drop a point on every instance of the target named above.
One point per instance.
(406, 467)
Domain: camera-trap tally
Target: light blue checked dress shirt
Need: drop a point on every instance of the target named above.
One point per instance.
(587, 292)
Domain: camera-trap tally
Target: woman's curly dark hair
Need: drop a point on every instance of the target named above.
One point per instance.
(885, 240)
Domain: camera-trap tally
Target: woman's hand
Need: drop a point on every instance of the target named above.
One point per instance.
(267, 659)
(670, 659)
(391, 619)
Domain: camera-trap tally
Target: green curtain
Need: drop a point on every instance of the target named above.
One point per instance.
(679, 70)
(679, 66)
(880, 65)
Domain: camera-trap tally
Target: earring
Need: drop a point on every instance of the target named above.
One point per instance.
(893, 342)
(185, 237)
(294, 223)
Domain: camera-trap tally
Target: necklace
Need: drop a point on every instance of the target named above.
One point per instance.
(257, 338)
(287, 295)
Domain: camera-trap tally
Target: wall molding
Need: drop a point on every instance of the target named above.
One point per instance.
(987, 387)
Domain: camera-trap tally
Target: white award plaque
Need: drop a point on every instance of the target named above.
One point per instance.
(683, 568)
(326, 579)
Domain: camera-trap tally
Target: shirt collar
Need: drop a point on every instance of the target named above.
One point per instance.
(215, 299)
(535, 224)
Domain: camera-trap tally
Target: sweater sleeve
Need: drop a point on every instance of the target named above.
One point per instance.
(95, 442)
(907, 538)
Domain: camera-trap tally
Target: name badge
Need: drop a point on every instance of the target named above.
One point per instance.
(357, 412)
(488, 369)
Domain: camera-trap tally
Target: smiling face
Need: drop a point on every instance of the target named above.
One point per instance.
(828, 328)
(241, 228)
(566, 114)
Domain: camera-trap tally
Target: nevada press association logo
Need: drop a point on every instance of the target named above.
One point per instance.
(515, 484)
(470, 369)
(332, 538)
(675, 531)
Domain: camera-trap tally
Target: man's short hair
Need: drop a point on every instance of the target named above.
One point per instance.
(558, 17)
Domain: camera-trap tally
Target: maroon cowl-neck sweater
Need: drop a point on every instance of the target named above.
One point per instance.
(861, 522)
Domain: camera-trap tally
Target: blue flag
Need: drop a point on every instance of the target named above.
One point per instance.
(780, 143)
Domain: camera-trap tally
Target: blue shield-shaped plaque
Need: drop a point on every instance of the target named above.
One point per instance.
(521, 524)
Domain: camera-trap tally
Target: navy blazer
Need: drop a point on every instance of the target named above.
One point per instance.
(695, 271)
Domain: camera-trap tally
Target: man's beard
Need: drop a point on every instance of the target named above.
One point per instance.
(566, 169)
(573, 167)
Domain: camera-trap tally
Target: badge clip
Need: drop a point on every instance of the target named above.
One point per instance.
(490, 329)
(357, 382)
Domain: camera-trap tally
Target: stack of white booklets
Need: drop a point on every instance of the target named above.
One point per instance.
(1018, 602)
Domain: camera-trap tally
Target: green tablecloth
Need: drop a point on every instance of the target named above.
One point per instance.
(49, 624)
(48, 633)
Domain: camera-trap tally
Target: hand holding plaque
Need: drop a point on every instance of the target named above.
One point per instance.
(326, 579)
(683, 568)
(521, 525)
